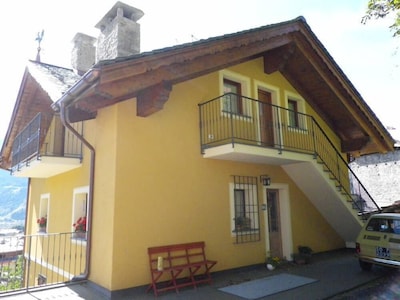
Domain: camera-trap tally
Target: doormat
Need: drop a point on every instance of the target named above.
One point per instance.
(267, 286)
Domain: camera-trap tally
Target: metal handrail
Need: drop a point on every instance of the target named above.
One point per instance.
(28, 143)
(267, 125)
(32, 261)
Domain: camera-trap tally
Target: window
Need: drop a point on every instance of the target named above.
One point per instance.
(296, 112)
(80, 210)
(245, 214)
(237, 87)
(43, 213)
(293, 113)
(232, 102)
(41, 279)
(384, 225)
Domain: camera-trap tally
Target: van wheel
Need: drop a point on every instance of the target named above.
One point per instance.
(365, 265)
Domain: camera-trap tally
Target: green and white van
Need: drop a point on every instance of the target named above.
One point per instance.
(379, 241)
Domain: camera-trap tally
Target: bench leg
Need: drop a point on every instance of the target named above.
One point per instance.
(192, 273)
(153, 284)
(174, 275)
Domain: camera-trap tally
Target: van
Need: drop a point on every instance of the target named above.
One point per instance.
(379, 241)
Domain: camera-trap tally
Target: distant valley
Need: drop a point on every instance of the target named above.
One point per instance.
(13, 193)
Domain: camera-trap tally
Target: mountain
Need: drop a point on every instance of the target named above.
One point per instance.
(13, 195)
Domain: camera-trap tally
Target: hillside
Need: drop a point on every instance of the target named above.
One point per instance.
(13, 193)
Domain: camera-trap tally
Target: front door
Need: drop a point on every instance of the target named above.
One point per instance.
(274, 223)
(266, 122)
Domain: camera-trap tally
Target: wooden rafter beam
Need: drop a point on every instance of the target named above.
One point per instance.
(76, 114)
(276, 59)
(131, 86)
(152, 99)
(355, 144)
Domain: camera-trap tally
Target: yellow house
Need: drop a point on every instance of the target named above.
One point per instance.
(241, 141)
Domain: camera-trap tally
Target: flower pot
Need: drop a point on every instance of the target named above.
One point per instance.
(42, 229)
(270, 267)
(80, 235)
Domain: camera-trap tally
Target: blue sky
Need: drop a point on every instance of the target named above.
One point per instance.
(366, 53)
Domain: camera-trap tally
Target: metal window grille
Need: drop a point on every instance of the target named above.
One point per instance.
(246, 219)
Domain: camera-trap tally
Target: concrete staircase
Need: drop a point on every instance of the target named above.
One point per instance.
(328, 196)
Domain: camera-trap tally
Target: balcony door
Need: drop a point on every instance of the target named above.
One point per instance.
(266, 118)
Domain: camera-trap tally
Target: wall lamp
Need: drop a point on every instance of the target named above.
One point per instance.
(265, 179)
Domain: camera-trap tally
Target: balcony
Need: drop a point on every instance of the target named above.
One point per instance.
(238, 128)
(259, 133)
(44, 149)
(42, 260)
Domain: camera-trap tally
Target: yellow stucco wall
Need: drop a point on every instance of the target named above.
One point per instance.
(153, 187)
(167, 193)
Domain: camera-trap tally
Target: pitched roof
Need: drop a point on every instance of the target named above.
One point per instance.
(42, 84)
(288, 47)
(54, 80)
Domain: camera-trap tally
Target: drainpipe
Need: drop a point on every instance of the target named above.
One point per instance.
(61, 105)
(65, 122)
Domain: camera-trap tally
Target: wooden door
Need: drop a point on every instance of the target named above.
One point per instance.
(266, 118)
(274, 223)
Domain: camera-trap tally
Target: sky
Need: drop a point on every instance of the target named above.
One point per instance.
(366, 53)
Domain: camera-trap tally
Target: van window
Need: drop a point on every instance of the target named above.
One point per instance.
(384, 225)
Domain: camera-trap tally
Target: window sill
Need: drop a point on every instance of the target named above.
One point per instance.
(245, 231)
(227, 113)
(298, 129)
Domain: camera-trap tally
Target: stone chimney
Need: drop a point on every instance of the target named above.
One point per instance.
(120, 34)
(83, 54)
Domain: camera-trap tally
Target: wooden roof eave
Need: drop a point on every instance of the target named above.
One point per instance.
(22, 114)
(150, 78)
(350, 98)
(340, 85)
(122, 81)
(13, 117)
(115, 71)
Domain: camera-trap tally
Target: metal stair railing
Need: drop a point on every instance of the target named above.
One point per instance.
(232, 118)
(339, 170)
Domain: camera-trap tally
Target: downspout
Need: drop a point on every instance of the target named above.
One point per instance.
(26, 271)
(65, 121)
(61, 105)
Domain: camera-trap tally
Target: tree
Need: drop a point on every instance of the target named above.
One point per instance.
(12, 275)
(381, 8)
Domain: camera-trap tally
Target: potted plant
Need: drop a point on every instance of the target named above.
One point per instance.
(272, 262)
(304, 255)
(242, 223)
(42, 222)
(80, 228)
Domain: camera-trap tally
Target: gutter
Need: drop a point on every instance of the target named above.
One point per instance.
(61, 106)
(77, 89)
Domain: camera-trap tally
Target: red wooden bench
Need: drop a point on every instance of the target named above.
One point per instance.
(175, 266)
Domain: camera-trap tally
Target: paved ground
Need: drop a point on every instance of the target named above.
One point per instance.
(386, 287)
(336, 272)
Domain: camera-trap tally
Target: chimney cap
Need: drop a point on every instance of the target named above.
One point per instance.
(129, 12)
